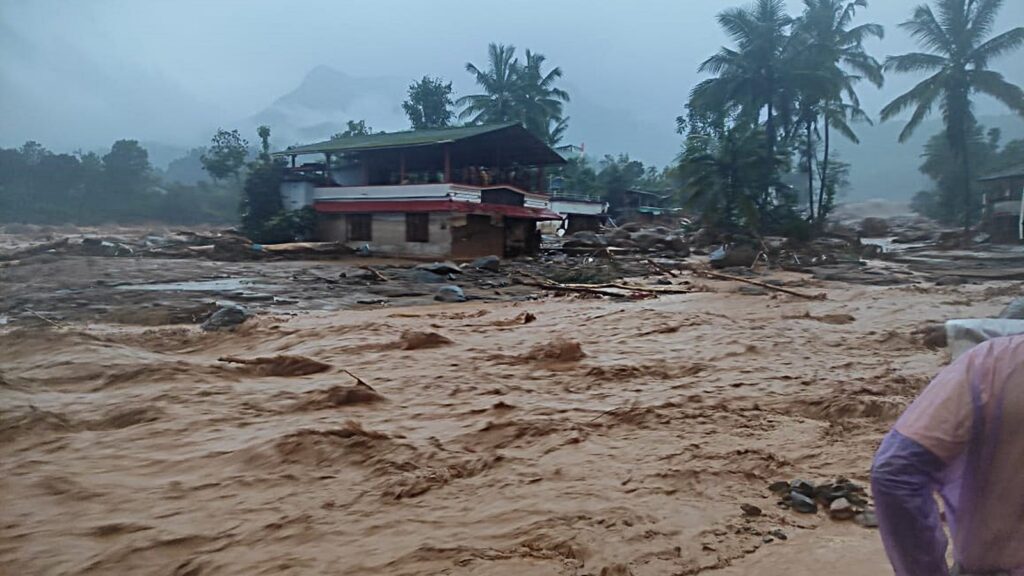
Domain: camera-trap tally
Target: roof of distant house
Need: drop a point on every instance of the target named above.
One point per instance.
(540, 152)
(1015, 171)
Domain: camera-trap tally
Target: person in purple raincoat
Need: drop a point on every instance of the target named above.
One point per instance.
(963, 438)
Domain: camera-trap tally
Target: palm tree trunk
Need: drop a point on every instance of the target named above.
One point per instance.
(810, 171)
(968, 204)
(824, 176)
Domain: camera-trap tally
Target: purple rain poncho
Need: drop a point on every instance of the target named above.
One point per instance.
(963, 437)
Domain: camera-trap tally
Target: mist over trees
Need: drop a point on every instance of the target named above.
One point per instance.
(758, 135)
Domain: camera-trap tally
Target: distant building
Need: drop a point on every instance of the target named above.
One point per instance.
(646, 206)
(1003, 216)
(453, 192)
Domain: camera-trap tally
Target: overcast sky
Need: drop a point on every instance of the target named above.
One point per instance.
(81, 72)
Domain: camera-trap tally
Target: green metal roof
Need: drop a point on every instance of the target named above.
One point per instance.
(407, 139)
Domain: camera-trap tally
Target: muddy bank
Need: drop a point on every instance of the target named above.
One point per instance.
(564, 435)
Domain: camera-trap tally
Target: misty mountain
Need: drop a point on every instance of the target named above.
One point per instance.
(325, 99)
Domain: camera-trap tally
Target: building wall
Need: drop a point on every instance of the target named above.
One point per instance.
(296, 195)
(388, 232)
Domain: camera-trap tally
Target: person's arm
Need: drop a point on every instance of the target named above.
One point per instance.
(904, 477)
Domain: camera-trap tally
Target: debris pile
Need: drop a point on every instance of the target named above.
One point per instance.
(841, 500)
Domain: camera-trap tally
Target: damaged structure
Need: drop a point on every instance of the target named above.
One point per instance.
(1004, 204)
(452, 192)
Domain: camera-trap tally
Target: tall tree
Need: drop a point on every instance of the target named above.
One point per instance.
(959, 51)
(429, 104)
(515, 91)
(831, 60)
(226, 154)
(538, 100)
(126, 167)
(499, 82)
(751, 77)
(264, 133)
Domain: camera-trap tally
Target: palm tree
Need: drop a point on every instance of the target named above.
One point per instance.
(833, 62)
(750, 77)
(500, 83)
(539, 102)
(958, 57)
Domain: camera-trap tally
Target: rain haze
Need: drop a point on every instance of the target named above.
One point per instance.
(78, 75)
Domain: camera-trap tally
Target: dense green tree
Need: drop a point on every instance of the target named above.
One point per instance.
(429, 103)
(226, 154)
(126, 169)
(354, 128)
(944, 201)
(959, 52)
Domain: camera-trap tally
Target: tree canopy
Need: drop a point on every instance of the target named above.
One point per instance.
(429, 103)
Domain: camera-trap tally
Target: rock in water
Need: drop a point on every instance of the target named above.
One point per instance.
(750, 509)
(728, 257)
(802, 503)
(866, 519)
(841, 509)
(227, 317)
(450, 293)
(874, 227)
(492, 263)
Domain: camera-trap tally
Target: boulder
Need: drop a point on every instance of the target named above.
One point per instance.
(1014, 311)
(492, 263)
(647, 240)
(730, 256)
(586, 239)
(874, 227)
(677, 244)
(227, 317)
(620, 234)
(441, 268)
(450, 293)
(425, 277)
(841, 509)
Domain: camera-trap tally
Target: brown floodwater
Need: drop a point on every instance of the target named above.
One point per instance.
(560, 436)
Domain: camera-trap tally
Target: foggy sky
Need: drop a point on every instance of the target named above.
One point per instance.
(80, 73)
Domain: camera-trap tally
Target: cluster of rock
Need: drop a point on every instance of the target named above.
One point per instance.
(632, 237)
(842, 499)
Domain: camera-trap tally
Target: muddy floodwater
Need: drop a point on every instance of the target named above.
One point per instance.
(556, 436)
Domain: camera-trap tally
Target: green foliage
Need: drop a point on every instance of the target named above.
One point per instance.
(515, 91)
(354, 128)
(958, 53)
(287, 226)
(263, 216)
(40, 186)
(429, 103)
(226, 154)
(722, 166)
(944, 202)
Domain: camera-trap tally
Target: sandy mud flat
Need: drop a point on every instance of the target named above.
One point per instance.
(564, 435)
